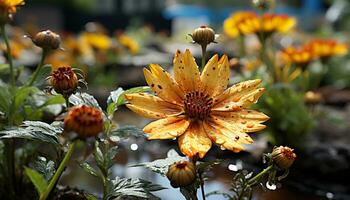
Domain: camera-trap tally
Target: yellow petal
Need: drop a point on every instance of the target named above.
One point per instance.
(151, 106)
(163, 85)
(194, 141)
(216, 75)
(186, 71)
(222, 137)
(238, 96)
(167, 128)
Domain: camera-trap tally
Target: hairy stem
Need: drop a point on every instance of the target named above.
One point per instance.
(204, 51)
(58, 172)
(257, 177)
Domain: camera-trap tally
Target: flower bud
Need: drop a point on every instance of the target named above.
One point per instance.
(264, 4)
(47, 40)
(283, 157)
(86, 121)
(313, 97)
(181, 174)
(203, 35)
(64, 81)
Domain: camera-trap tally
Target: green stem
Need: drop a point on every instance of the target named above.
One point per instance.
(9, 55)
(204, 50)
(59, 171)
(257, 177)
(38, 69)
(67, 102)
(242, 48)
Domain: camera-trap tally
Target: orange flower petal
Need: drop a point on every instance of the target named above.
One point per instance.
(167, 128)
(186, 71)
(151, 106)
(238, 96)
(194, 141)
(163, 85)
(216, 75)
(222, 137)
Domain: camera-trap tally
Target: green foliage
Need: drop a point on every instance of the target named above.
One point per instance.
(161, 166)
(44, 72)
(122, 188)
(290, 120)
(117, 98)
(89, 169)
(37, 179)
(84, 98)
(125, 132)
(45, 167)
(34, 130)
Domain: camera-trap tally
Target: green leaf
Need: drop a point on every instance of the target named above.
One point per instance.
(125, 132)
(91, 197)
(89, 169)
(112, 152)
(34, 130)
(45, 167)
(37, 179)
(84, 98)
(127, 187)
(99, 158)
(116, 98)
(22, 95)
(161, 166)
(56, 99)
(5, 99)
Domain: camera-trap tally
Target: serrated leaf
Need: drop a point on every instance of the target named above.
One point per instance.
(45, 167)
(89, 169)
(161, 166)
(121, 99)
(22, 94)
(112, 152)
(37, 179)
(99, 158)
(126, 132)
(126, 187)
(84, 98)
(91, 197)
(34, 130)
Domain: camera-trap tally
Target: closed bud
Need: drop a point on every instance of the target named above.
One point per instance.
(181, 174)
(47, 40)
(283, 157)
(264, 4)
(64, 81)
(85, 121)
(203, 35)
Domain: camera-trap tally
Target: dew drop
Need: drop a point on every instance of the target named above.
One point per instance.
(134, 147)
(329, 195)
(271, 186)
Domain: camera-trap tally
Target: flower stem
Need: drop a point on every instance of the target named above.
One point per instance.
(242, 48)
(38, 69)
(204, 51)
(202, 185)
(257, 177)
(9, 55)
(59, 171)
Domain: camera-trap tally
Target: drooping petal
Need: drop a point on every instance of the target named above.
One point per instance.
(167, 128)
(163, 85)
(151, 106)
(222, 136)
(186, 71)
(194, 141)
(216, 75)
(238, 96)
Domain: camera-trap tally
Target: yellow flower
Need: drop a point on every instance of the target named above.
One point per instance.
(244, 23)
(10, 6)
(197, 108)
(98, 41)
(232, 24)
(298, 56)
(59, 58)
(129, 43)
(325, 48)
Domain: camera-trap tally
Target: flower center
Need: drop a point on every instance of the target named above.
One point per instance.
(198, 105)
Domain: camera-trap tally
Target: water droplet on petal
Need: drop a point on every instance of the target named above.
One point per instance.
(271, 186)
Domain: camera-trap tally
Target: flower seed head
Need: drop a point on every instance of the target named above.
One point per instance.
(64, 81)
(86, 121)
(181, 174)
(283, 157)
(47, 40)
(203, 35)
